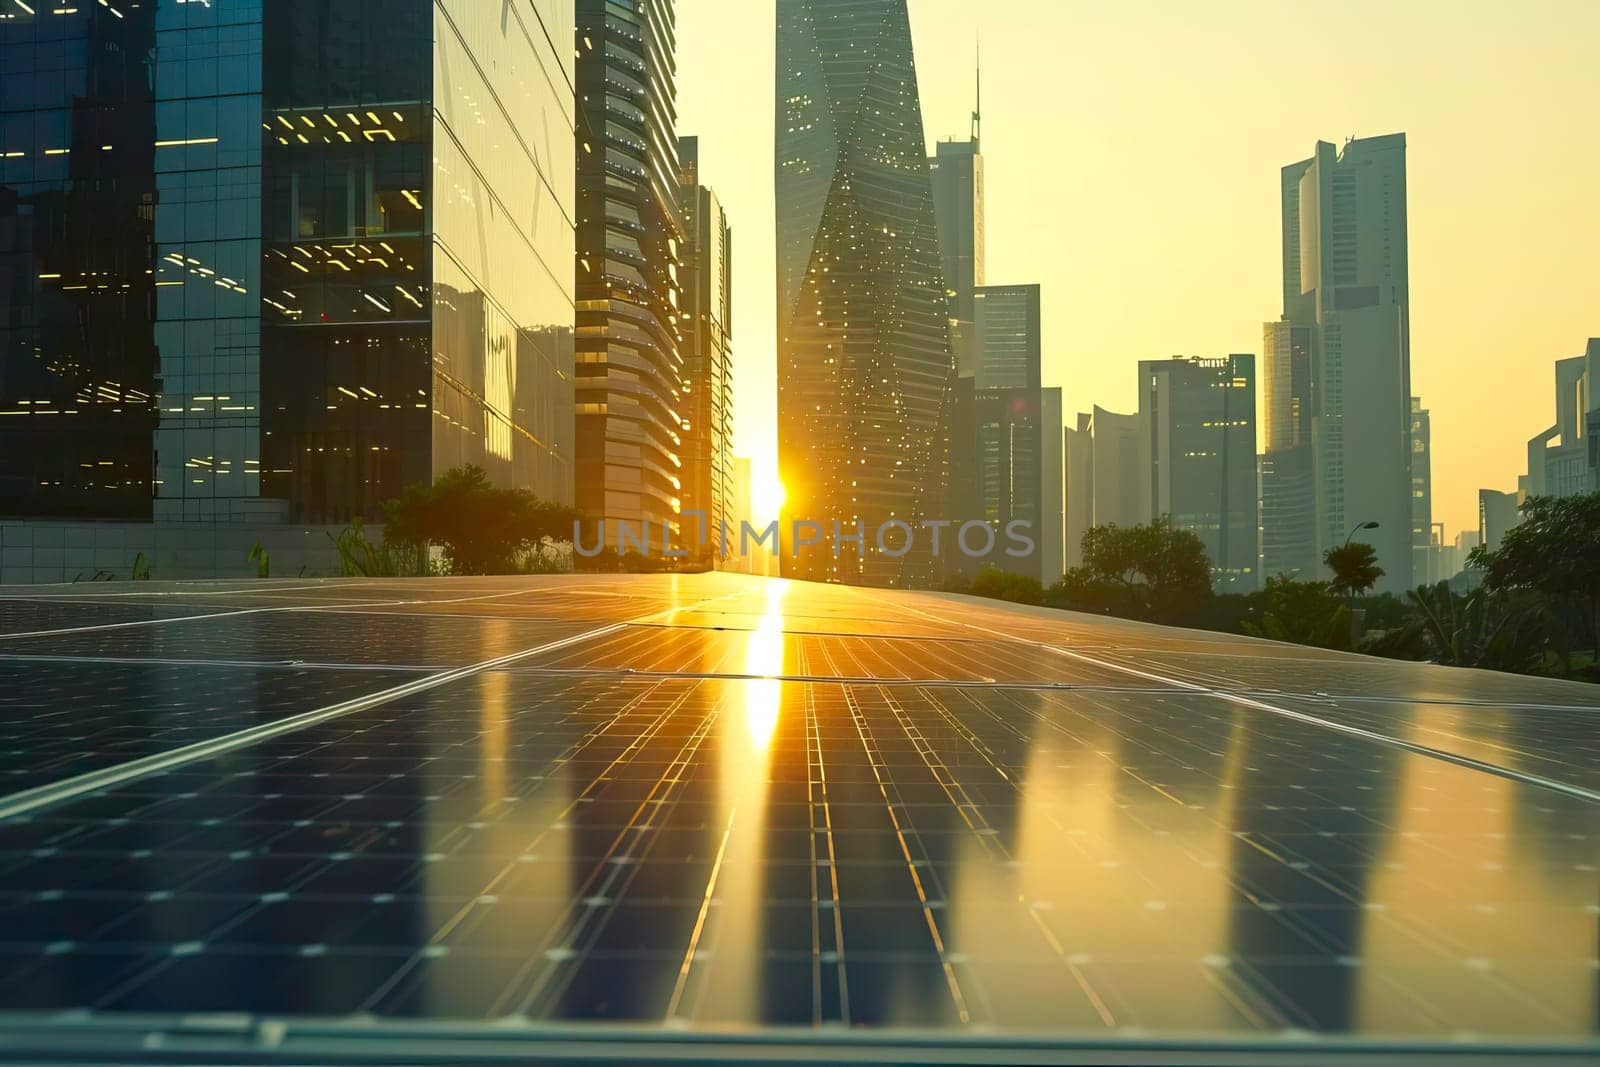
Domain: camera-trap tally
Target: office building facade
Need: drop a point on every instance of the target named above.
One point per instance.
(1200, 418)
(865, 368)
(1564, 460)
(1346, 282)
(1497, 513)
(631, 237)
(1288, 500)
(955, 173)
(1006, 326)
(1017, 445)
(708, 355)
(264, 257)
(1107, 467)
(1423, 543)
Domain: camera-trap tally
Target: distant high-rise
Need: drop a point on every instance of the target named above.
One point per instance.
(630, 237)
(1017, 444)
(1288, 502)
(865, 371)
(955, 172)
(1565, 459)
(1422, 540)
(955, 175)
(1052, 495)
(1497, 513)
(1107, 467)
(1200, 417)
(1346, 282)
(708, 356)
(1006, 325)
(1017, 448)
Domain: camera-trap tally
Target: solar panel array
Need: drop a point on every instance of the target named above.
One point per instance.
(692, 801)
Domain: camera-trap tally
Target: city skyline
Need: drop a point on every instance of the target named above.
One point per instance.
(1497, 278)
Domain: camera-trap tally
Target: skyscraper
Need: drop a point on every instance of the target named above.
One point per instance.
(268, 265)
(1288, 501)
(1422, 540)
(1017, 445)
(630, 238)
(708, 357)
(1200, 417)
(1497, 513)
(414, 320)
(1107, 461)
(1006, 326)
(1564, 460)
(865, 370)
(1052, 493)
(1346, 281)
(955, 171)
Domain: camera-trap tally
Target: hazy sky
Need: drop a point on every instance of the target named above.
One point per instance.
(1132, 155)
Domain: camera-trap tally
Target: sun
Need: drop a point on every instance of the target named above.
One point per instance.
(767, 497)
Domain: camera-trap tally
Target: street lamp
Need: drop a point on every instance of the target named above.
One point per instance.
(1357, 615)
(1357, 528)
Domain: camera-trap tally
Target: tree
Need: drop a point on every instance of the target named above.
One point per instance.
(1554, 549)
(1161, 571)
(1303, 613)
(1500, 631)
(1355, 568)
(996, 584)
(481, 529)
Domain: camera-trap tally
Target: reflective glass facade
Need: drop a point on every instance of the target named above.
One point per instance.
(276, 261)
(347, 267)
(1199, 418)
(503, 212)
(1006, 319)
(78, 307)
(208, 259)
(865, 371)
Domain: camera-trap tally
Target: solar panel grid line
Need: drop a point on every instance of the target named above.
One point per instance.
(884, 779)
(93, 781)
(1261, 705)
(571, 753)
(143, 978)
(1080, 979)
(817, 803)
(585, 924)
(509, 1001)
(56, 792)
(199, 589)
(962, 757)
(1251, 1008)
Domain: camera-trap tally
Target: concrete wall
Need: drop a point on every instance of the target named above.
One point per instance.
(37, 552)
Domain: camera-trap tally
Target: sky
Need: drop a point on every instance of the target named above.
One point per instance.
(1131, 157)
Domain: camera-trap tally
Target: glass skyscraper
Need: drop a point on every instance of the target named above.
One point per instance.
(274, 261)
(708, 350)
(631, 233)
(1199, 416)
(1346, 282)
(1006, 324)
(865, 373)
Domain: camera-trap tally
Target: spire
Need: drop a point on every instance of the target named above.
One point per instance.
(977, 107)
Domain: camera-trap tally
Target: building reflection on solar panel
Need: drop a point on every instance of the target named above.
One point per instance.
(717, 816)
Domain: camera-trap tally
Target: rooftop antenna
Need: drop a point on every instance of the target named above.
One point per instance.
(977, 108)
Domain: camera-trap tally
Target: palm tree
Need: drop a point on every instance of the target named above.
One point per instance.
(1355, 568)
